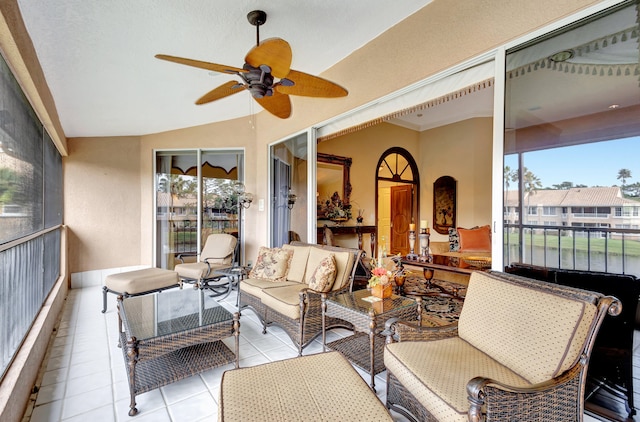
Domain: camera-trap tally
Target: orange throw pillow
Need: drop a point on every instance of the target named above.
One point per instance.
(475, 240)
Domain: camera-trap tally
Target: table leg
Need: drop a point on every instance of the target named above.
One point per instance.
(236, 334)
(372, 354)
(323, 306)
(132, 356)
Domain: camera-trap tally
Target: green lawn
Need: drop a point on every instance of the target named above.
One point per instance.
(597, 245)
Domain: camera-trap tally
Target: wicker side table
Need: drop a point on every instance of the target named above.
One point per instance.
(172, 335)
(365, 347)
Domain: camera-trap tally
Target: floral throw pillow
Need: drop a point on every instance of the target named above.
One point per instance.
(272, 264)
(324, 275)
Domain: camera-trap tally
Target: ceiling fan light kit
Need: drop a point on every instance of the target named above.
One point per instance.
(266, 74)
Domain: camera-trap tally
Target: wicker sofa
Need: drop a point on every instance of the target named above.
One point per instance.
(519, 352)
(289, 302)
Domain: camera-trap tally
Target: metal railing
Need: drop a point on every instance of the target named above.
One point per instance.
(603, 249)
(29, 268)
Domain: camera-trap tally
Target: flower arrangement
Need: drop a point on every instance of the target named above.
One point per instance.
(336, 209)
(380, 276)
(383, 279)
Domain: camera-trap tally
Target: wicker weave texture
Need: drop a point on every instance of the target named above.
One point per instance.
(179, 364)
(181, 347)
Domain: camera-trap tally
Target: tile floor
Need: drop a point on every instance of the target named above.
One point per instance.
(84, 375)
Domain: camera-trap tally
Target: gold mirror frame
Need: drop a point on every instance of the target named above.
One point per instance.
(345, 162)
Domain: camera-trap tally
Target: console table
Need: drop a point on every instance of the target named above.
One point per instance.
(444, 269)
(357, 230)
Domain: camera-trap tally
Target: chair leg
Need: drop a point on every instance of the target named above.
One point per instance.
(104, 299)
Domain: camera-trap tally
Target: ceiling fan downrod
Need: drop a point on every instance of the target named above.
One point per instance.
(257, 18)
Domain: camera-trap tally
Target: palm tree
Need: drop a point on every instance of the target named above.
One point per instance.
(530, 183)
(624, 174)
(510, 175)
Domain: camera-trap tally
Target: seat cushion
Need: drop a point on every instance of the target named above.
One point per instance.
(298, 264)
(219, 248)
(139, 281)
(319, 387)
(437, 373)
(285, 300)
(197, 270)
(537, 334)
(255, 286)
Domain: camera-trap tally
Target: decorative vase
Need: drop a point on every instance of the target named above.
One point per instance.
(382, 291)
(399, 279)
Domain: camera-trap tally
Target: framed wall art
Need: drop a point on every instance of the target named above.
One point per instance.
(444, 204)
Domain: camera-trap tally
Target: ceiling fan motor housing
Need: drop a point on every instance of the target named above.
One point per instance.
(259, 81)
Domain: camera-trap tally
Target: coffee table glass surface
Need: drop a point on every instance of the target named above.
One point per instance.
(171, 335)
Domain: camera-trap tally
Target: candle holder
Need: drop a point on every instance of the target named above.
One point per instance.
(412, 243)
(424, 245)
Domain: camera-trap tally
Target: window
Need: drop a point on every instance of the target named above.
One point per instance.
(548, 210)
(30, 211)
(197, 194)
(562, 102)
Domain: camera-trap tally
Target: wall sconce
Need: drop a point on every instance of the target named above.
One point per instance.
(291, 199)
(245, 199)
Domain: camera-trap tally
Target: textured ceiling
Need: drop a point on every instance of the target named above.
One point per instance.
(98, 56)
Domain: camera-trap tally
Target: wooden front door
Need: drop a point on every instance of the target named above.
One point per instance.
(401, 199)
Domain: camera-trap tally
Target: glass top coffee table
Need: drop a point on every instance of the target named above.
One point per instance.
(368, 315)
(171, 335)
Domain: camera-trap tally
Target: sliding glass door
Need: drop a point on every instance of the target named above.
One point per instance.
(197, 193)
(289, 167)
(572, 138)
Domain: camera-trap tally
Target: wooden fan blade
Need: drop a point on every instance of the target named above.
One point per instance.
(275, 53)
(278, 104)
(311, 86)
(222, 91)
(202, 65)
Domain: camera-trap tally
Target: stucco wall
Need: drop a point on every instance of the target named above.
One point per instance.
(102, 185)
(463, 151)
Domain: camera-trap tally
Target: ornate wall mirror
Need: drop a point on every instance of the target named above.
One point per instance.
(334, 175)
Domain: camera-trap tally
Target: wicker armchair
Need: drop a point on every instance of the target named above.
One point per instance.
(519, 352)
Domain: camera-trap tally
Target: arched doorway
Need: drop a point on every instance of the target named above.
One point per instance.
(397, 199)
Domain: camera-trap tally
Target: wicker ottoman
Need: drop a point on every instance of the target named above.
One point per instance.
(321, 387)
(139, 282)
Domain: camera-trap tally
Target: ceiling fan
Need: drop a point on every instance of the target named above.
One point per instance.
(266, 74)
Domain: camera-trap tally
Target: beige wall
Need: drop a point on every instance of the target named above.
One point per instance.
(102, 185)
(463, 151)
(440, 35)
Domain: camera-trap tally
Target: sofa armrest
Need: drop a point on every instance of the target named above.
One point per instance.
(397, 330)
(502, 402)
(183, 255)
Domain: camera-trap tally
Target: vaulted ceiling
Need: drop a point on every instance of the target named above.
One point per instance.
(98, 56)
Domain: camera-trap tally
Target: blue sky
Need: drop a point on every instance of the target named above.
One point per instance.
(594, 164)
